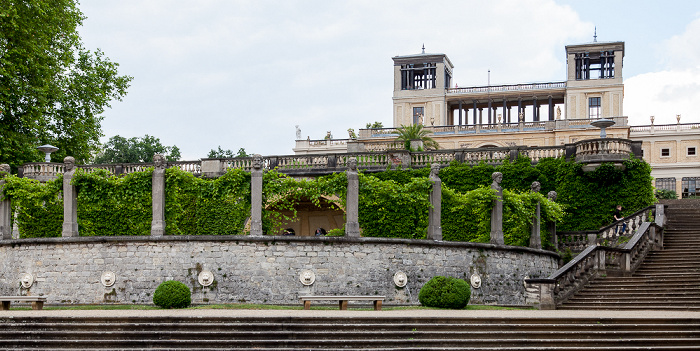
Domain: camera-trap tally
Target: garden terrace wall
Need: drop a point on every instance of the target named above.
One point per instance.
(263, 269)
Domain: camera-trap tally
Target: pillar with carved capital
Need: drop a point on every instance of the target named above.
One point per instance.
(497, 210)
(70, 201)
(158, 196)
(5, 208)
(434, 224)
(352, 224)
(256, 181)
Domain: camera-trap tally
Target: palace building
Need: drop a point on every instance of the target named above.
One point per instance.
(529, 114)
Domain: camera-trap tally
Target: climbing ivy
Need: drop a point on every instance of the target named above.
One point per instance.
(109, 205)
(39, 207)
(201, 206)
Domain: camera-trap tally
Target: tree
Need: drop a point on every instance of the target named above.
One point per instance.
(135, 150)
(375, 125)
(221, 153)
(52, 90)
(415, 132)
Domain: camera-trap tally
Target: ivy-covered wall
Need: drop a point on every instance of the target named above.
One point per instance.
(393, 203)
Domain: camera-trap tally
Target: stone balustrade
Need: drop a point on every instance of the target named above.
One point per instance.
(597, 260)
(593, 152)
(319, 164)
(578, 241)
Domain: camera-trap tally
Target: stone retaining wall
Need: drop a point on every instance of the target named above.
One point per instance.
(262, 270)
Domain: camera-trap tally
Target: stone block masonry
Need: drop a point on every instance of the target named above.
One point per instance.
(262, 269)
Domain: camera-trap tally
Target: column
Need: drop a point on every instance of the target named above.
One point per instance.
(551, 109)
(535, 239)
(158, 196)
(460, 114)
(352, 224)
(256, 175)
(505, 108)
(520, 107)
(434, 225)
(70, 202)
(475, 109)
(5, 208)
(497, 210)
(481, 116)
(489, 107)
(535, 110)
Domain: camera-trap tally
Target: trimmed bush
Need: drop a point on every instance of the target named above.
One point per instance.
(445, 292)
(172, 294)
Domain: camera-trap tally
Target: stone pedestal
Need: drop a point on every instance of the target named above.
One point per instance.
(256, 181)
(497, 211)
(434, 213)
(352, 224)
(158, 196)
(535, 239)
(70, 201)
(5, 208)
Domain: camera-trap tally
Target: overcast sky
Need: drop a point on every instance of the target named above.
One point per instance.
(244, 73)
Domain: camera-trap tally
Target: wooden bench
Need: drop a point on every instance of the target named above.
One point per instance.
(37, 301)
(343, 300)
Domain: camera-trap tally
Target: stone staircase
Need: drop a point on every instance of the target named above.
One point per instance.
(344, 333)
(668, 279)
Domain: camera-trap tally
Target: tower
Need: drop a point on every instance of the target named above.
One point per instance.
(420, 83)
(594, 87)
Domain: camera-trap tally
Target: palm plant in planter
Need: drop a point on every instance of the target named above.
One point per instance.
(416, 132)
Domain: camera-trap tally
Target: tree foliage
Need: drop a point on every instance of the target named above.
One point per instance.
(375, 125)
(135, 150)
(52, 90)
(415, 132)
(221, 153)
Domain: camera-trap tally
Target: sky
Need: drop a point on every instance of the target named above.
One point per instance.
(235, 74)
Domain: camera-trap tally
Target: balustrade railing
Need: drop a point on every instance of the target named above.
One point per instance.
(42, 170)
(423, 159)
(596, 260)
(665, 127)
(577, 241)
(507, 87)
(603, 150)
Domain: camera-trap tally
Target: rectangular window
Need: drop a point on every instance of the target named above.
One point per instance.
(594, 108)
(691, 151)
(418, 76)
(689, 185)
(418, 115)
(666, 184)
(665, 152)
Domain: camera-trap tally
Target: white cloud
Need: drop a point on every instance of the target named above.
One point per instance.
(670, 92)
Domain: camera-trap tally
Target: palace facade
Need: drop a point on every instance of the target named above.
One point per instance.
(529, 114)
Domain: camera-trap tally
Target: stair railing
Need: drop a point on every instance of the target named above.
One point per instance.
(598, 260)
(578, 241)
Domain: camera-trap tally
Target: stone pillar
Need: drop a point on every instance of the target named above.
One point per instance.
(547, 301)
(70, 201)
(256, 204)
(490, 107)
(535, 239)
(474, 112)
(352, 224)
(551, 109)
(435, 211)
(158, 196)
(535, 111)
(460, 113)
(497, 210)
(552, 226)
(5, 208)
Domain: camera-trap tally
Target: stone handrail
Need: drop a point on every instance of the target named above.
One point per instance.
(508, 87)
(603, 150)
(577, 241)
(597, 260)
(42, 171)
(665, 127)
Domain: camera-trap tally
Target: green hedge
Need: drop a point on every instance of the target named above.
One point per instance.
(445, 292)
(172, 294)
(39, 207)
(109, 205)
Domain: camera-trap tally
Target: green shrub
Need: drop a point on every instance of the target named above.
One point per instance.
(445, 292)
(172, 294)
(663, 194)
